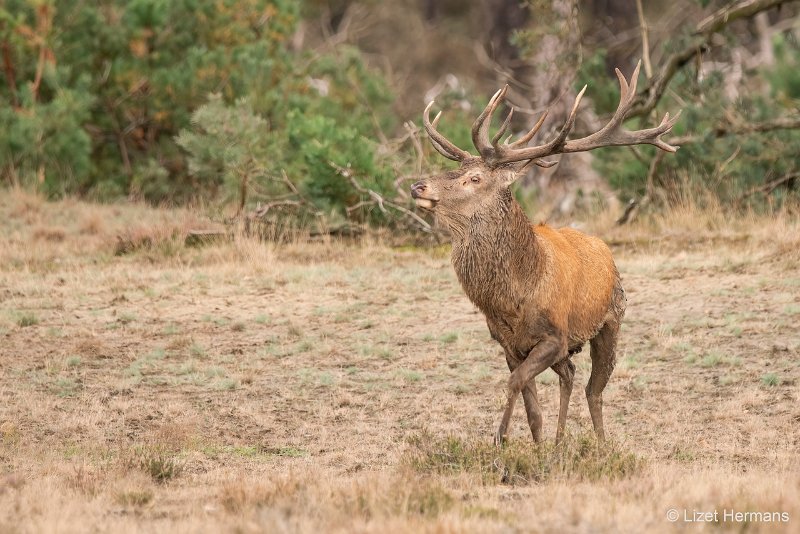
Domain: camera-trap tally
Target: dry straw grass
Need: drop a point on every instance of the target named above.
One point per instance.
(349, 386)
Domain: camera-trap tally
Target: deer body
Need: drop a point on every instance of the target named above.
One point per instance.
(535, 285)
(518, 274)
(544, 292)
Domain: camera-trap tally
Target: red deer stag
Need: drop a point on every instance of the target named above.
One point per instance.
(544, 292)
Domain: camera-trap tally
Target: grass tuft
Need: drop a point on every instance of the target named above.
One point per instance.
(27, 319)
(449, 338)
(520, 461)
(85, 480)
(428, 499)
(770, 379)
(158, 461)
(239, 495)
(134, 498)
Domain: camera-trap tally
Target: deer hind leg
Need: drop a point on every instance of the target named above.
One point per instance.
(533, 410)
(603, 358)
(565, 370)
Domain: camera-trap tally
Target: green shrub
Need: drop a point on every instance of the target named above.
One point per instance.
(176, 99)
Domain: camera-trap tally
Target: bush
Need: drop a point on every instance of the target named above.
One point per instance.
(170, 100)
(105, 94)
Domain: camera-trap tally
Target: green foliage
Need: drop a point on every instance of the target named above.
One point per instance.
(603, 90)
(45, 142)
(27, 319)
(727, 166)
(226, 145)
(170, 99)
(326, 131)
(120, 79)
(173, 99)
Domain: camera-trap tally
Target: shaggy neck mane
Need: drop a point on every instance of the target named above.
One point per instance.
(494, 253)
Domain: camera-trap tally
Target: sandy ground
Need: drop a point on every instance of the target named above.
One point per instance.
(252, 387)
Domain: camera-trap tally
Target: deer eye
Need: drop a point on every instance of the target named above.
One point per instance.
(476, 179)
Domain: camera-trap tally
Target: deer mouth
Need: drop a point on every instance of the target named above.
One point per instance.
(427, 203)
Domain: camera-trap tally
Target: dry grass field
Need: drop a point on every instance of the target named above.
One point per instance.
(251, 387)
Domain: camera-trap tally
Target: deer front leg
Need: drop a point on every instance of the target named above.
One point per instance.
(532, 408)
(546, 353)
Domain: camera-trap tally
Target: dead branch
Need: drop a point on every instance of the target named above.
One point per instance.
(636, 204)
(44, 24)
(244, 179)
(293, 188)
(648, 67)
(652, 170)
(630, 212)
(262, 210)
(8, 68)
(300, 200)
(770, 186)
(728, 14)
(377, 199)
(705, 31)
(413, 134)
(741, 128)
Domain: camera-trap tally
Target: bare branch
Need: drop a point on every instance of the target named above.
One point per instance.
(261, 211)
(782, 123)
(728, 14)
(412, 134)
(704, 32)
(8, 67)
(770, 186)
(377, 199)
(300, 201)
(648, 68)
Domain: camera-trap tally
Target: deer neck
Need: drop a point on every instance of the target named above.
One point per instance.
(496, 255)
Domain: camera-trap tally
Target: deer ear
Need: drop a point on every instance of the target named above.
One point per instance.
(510, 174)
(520, 168)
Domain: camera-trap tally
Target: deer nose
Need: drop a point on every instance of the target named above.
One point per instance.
(417, 189)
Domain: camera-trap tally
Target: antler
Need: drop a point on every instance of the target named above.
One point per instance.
(444, 146)
(612, 134)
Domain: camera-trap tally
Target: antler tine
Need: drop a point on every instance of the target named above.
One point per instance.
(480, 128)
(525, 139)
(568, 124)
(544, 164)
(502, 129)
(440, 142)
(626, 94)
(664, 126)
(441, 150)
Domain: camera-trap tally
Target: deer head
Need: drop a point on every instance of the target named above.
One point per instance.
(483, 179)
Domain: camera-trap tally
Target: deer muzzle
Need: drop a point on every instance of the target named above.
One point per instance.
(422, 195)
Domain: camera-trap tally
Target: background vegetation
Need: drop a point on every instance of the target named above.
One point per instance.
(280, 108)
